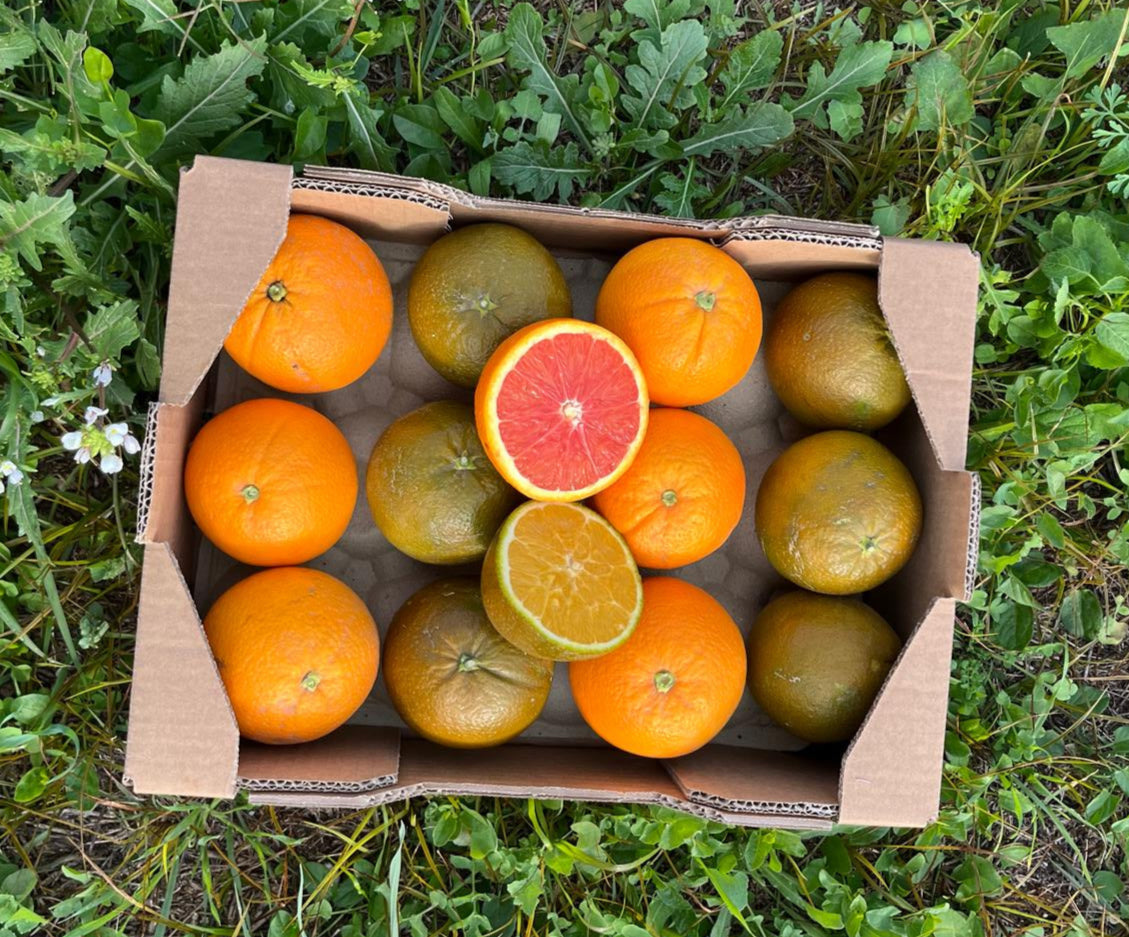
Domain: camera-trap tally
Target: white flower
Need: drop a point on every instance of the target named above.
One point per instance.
(36, 416)
(111, 463)
(51, 402)
(71, 441)
(116, 433)
(92, 414)
(9, 471)
(1, 488)
(41, 351)
(131, 445)
(82, 456)
(102, 375)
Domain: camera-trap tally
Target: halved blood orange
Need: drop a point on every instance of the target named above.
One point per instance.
(561, 409)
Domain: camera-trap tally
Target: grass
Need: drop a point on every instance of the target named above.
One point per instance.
(1004, 126)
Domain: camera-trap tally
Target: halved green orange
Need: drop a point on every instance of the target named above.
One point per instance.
(560, 582)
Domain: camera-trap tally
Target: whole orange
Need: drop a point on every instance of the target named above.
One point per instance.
(838, 513)
(672, 686)
(271, 483)
(689, 312)
(297, 652)
(320, 314)
(682, 496)
(830, 357)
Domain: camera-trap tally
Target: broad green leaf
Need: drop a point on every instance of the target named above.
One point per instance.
(657, 14)
(1081, 614)
(1013, 625)
(1048, 525)
(525, 32)
(1116, 159)
(1067, 263)
(112, 329)
(478, 177)
(309, 134)
(914, 33)
(16, 47)
(19, 919)
(677, 197)
(210, 97)
(310, 23)
(457, 115)
(890, 217)
(29, 787)
(665, 74)
(419, 124)
(762, 125)
(19, 884)
(37, 219)
(750, 67)
(540, 170)
(858, 66)
(158, 15)
(1106, 262)
(1087, 43)
(1112, 333)
(1102, 807)
(97, 65)
(939, 92)
(365, 138)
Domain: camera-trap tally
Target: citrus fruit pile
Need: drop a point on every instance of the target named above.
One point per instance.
(558, 484)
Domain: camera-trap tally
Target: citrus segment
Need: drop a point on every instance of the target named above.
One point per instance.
(559, 582)
(561, 409)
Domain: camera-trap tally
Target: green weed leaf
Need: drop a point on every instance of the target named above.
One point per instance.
(1081, 614)
(457, 115)
(210, 97)
(939, 92)
(366, 141)
(525, 32)
(858, 66)
(540, 170)
(761, 125)
(1013, 626)
(1088, 43)
(37, 219)
(158, 15)
(112, 329)
(31, 786)
(16, 47)
(665, 74)
(751, 66)
(678, 195)
(657, 14)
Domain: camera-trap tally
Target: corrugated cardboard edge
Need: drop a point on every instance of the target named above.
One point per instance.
(938, 360)
(973, 559)
(231, 218)
(891, 774)
(182, 736)
(148, 459)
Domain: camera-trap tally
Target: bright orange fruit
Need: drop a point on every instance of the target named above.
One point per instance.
(689, 312)
(297, 652)
(320, 314)
(271, 483)
(561, 409)
(683, 494)
(672, 686)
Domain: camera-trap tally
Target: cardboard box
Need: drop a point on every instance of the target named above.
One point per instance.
(182, 736)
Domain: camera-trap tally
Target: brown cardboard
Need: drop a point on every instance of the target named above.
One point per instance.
(231, 217)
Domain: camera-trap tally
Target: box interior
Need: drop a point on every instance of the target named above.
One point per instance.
(753, 769)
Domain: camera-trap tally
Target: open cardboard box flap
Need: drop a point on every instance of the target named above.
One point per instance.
(182, 735)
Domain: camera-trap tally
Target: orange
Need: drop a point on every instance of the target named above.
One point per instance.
(297, 652)
(452, 678)
(431, 489)
(561, 409)
(838, 513)
(816, 663)
(689, 312)
(682, 496)
(829, 355)
(676, 681)
(320, 314)
(475, 287)
(560, 583)
(271, 483)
